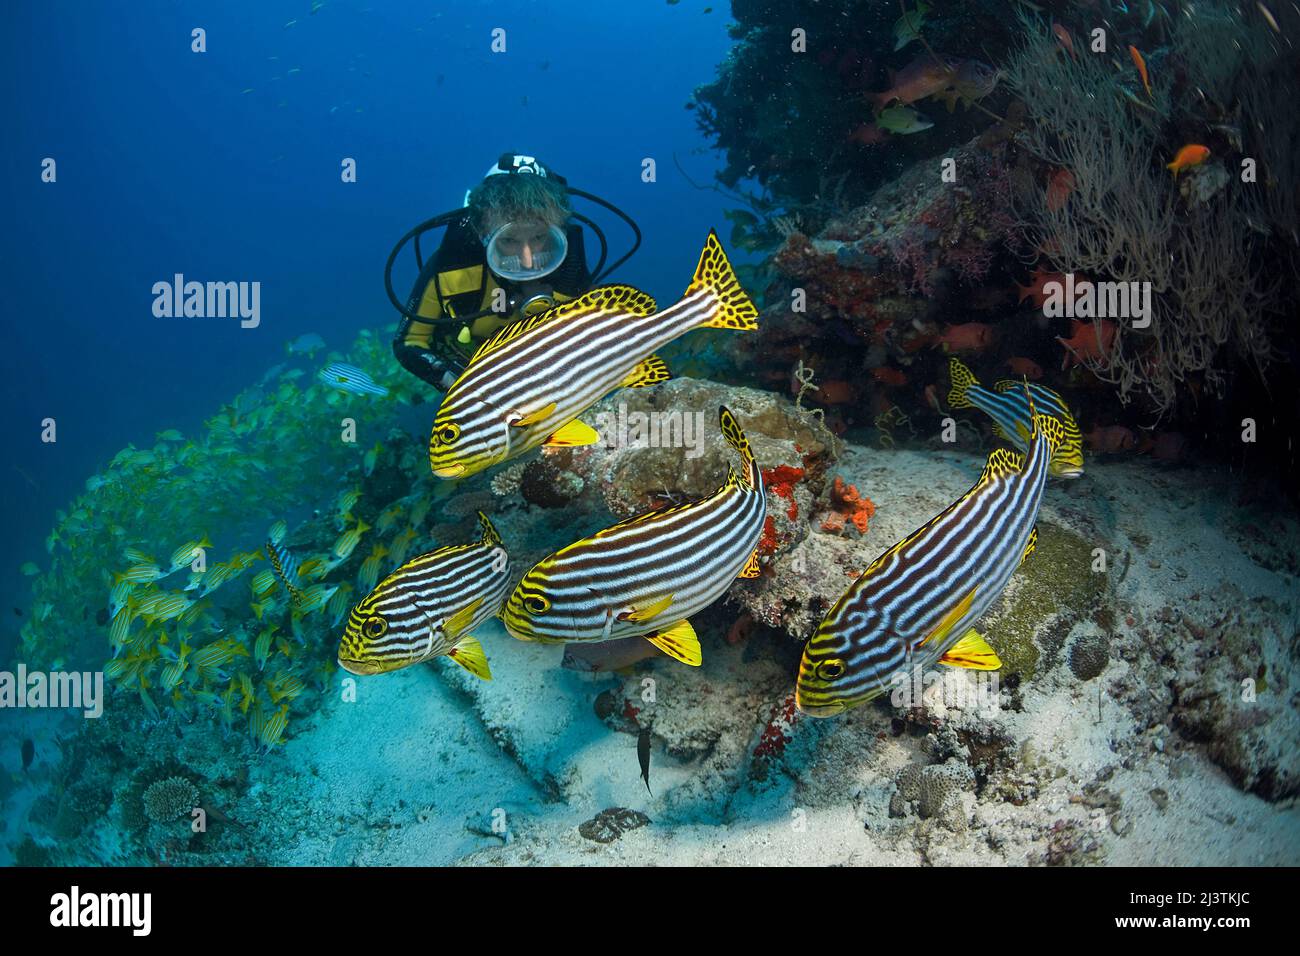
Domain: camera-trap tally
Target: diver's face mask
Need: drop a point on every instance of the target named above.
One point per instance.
(524, 251)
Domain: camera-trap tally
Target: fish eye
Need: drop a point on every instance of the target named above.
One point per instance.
(831, 669)
(374, 628)
(448, 434)
(537, 604)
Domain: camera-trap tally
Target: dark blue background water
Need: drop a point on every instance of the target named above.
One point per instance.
(166, 166)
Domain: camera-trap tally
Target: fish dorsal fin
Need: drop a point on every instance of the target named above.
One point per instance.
(752, 568)
(962, 379)
(1002, 463)
(1030, 545)
(461, 620)
(623, 298)
(749, 477)
(950, 619)
(972, 651)
(572, 434)
(1004, 385)
(490, 538)
(468, 653)
(648, 611)
(649, 371)
(652, 515)
(679, 642)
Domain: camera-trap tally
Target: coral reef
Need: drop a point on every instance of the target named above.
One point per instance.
(167, 800)
(1216, 298)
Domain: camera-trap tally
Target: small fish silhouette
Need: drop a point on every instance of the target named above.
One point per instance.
(643, 755)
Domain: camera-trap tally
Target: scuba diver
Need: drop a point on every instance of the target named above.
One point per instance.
(515, 249)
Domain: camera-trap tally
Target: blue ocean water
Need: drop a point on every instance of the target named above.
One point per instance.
(165, 165)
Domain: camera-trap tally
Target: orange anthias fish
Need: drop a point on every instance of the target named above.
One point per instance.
(1026, 367)
(1059, 187)
(1037, 281)
(1190, 155)
(1141, 64)
(868, 134)
(1088, 340)
(886, 375)
(967, 337)
(1063, 37)
(1111, 440)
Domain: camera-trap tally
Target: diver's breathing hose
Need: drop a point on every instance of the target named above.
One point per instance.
(443, 219)
(597, 274)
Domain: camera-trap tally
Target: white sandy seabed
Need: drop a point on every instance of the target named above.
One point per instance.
(430, 766)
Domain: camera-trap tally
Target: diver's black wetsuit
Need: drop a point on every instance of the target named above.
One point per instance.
(456, 282)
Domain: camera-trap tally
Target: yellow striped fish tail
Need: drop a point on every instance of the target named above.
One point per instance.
(962, 379)
(1002, 463)
(749, 476)
(733, 308)
(490, 537)
(1050, 426)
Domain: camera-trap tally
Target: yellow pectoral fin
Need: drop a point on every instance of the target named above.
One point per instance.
(574, 433)
(680, 642)
(461, 619)
(532, 418)
(648, 612)
(950, 620)
(469, 655)
(972, 651)
(752, 568)
(1029, 548)
(650, 371)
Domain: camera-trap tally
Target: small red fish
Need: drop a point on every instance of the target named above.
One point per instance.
(1190, 155)
(967, 337)
(835, 392)
(868, 134)
(1141, 64)
(1088, 340)
(1025, 367)
(921, 78)
(891, 377)
(1063, 37)
(1111, 439)
(1037, 281)
(1059, 187)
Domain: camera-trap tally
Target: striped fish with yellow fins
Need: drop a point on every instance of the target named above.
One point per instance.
(645, 576)
(916, 604)
(527, 385)
(428, 607)
(1008, 404)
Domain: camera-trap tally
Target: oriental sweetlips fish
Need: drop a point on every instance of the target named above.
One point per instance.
(428, 607)
(527, 384)
(645, 576)
(349, 378)
(1010, 405)
(917, 602)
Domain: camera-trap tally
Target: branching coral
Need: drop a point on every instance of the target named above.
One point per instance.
(1124, 221)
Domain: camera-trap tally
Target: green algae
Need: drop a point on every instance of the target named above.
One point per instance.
(1053, 589)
